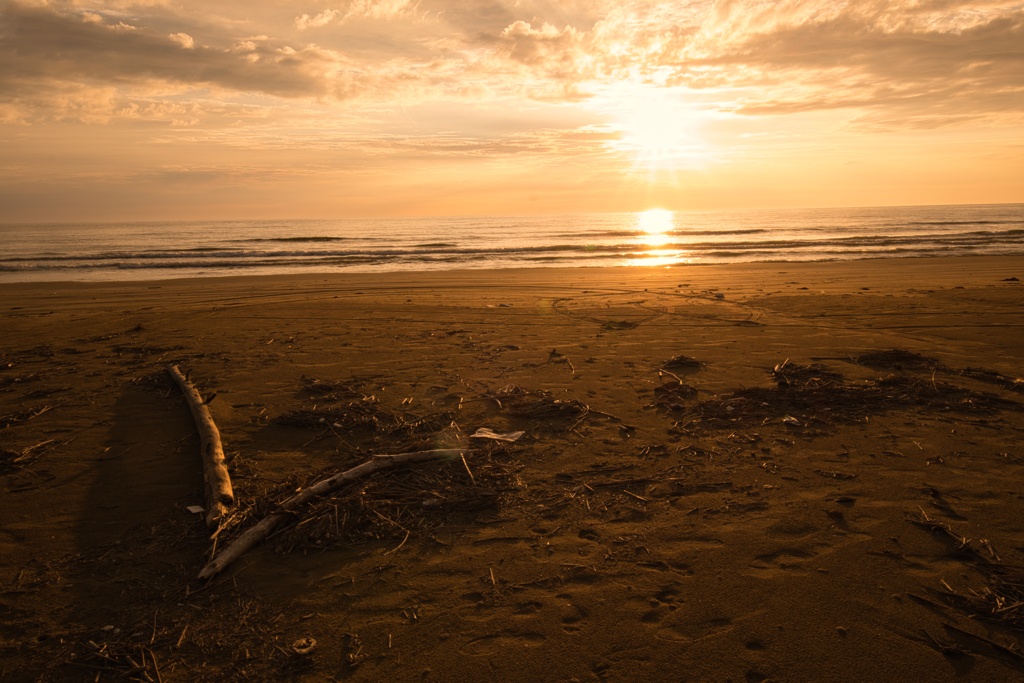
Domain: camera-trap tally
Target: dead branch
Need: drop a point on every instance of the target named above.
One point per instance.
(268, 524)
(219, 494)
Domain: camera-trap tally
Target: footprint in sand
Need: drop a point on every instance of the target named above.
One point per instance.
(491, 644)
(613, 311)
(662, 604)
(630, 309)
(681, 627)
(682, 632)
(779, 562)
(572, 613)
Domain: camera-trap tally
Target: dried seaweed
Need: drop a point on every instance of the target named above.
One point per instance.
(42, 351)
(616, 325)
(897, 359)
(993, 377)
(23, 416)
(327, 390)
(516, 401)
(20, 460)
(19, 379)
(789, 374)
(831, 401)
(366, 415)
(142, 350)
(677, 363)
(835, 474)
(672, 395)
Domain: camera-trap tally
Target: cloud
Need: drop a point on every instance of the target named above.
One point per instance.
(42, 49)
(941, 58)
(926, 62)
(964, 66)
(358, 9)
(380, 9)
(183, 39)
(322, 19)
(45, 51)
(543, 45)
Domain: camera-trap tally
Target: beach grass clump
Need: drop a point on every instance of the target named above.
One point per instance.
(1001, 599)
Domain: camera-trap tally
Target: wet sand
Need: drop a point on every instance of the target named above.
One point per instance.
(674, 511)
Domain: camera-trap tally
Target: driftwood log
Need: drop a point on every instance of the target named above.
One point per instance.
(268, 524)
(219, 494)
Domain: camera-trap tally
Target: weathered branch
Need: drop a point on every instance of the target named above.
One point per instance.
(219, 494)
(268, 524)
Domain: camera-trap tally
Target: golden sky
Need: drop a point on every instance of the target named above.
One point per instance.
(178, 109)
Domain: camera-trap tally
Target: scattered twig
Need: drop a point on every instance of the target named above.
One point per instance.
(268, 524)
(672, 375)
(399, 546)
(468, 471)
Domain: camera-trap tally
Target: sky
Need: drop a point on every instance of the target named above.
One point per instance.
(224, 109)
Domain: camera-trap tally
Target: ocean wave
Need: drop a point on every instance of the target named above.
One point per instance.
(314, 238)
(674, 232)
(437, 254)
(97, 251)
(968, 222)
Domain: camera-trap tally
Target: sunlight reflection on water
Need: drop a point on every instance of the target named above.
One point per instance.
(656, 227)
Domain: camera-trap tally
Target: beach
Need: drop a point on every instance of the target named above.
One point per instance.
(727, 472)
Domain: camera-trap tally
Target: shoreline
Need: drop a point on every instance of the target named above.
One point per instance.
(697, 516)
(844, 264)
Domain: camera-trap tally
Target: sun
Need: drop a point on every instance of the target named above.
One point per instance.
(655, 224)
(655, 239)
(657, 126)
(655, 227)
(655, 130)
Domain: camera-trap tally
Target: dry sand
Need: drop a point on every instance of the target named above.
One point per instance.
(856, 516)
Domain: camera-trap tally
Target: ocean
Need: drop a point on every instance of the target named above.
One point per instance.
(157, 250)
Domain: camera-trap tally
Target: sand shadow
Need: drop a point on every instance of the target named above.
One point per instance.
(146, 471)
(150, 469)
